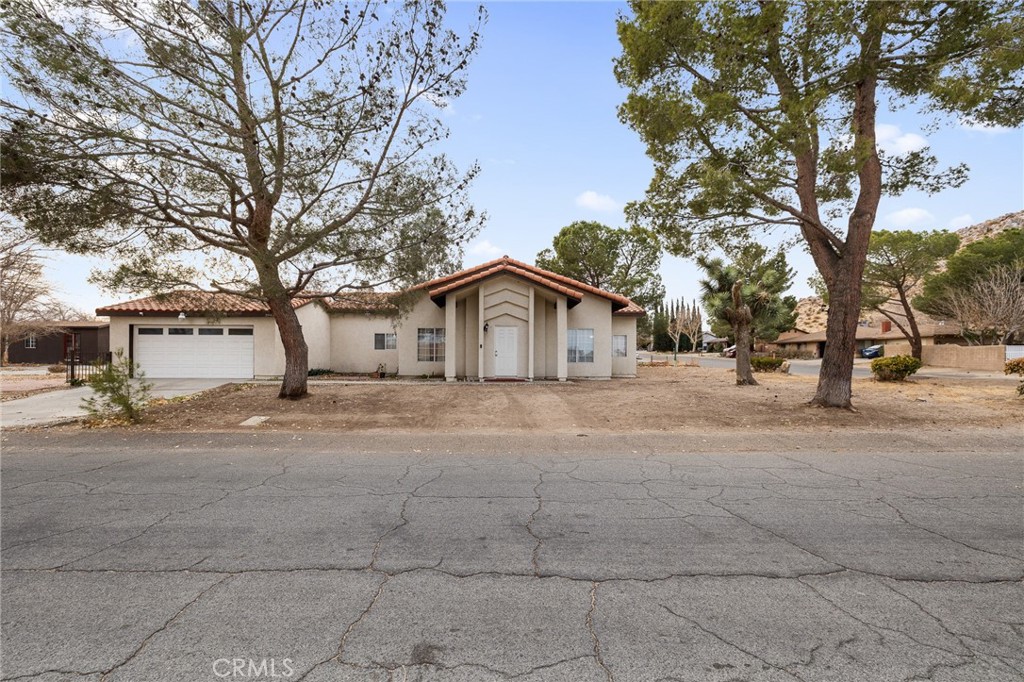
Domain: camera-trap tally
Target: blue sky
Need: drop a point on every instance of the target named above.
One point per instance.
(540, 118)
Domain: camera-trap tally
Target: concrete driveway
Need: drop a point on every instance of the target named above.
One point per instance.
(59, 406)
(464, 558)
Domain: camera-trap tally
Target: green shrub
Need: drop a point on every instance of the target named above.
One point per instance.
(766, 364)
(57, 369)
(896, 368)
(115, 393)
(319, 372)
(1016, 367)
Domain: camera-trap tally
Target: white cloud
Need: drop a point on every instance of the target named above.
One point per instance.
(956, 222)
(484, 248)
(909, 217)
(987, 128)
(894, 141)
(593, 201)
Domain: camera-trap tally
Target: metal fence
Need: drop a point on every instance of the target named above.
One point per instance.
(82, 368)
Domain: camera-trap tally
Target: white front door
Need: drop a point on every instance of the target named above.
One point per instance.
(506, 351)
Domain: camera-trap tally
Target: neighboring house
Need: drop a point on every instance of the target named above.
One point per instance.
(932, 334)
(814, 342)
(502, 319)
(709, 341)
(84, 339)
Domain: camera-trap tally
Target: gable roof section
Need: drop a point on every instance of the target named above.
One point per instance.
(194, 302)
(572, 289)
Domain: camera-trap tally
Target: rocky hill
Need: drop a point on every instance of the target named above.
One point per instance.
(811, 316)
(990, 228)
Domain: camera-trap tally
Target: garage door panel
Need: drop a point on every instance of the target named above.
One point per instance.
(203, 353)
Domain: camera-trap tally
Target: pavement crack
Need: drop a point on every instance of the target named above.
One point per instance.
(539, 541)
(904, 519)
(874, 627)
(402, 521)
(593, 634)
(339, 654)
(773, 533)
(737, 647)
(145, 642)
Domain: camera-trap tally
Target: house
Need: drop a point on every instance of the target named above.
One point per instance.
(932, 334)
(814, 343)
(500, 320)
(709, 341)
(84, 339)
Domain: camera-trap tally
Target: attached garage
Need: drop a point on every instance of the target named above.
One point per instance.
(181, 352)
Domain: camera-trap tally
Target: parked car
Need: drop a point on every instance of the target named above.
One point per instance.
(872, 352)
(729, 352)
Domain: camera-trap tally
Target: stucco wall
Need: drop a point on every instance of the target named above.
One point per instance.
(470, 314)
(550, 341)
(352, 350)
(625, 367)
(425, 313)
(316, 329)
(593, 313)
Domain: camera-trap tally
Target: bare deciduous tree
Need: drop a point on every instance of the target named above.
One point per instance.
(691, 324)
(990, 309)
(23, 289)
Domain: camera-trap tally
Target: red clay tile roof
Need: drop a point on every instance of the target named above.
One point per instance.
(560, 283)
(362, 302)
(368, 301)
(194, 302)
(631, 309)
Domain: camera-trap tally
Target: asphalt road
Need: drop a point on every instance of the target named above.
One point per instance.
(200, 557)
(861, 367)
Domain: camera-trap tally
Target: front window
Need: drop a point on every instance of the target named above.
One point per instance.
(430, 344)
(619, 346)
(581, 345)
(386, 341)
(30, 342)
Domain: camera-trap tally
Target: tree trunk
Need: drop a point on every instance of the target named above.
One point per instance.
(847, 268)
(835, 377)
(744, 373)
(742, 318)
(915, 346)
(296, 352)
(915, 332)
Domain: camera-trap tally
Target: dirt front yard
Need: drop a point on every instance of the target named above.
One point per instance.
(660, 399)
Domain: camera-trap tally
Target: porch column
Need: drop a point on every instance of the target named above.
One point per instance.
(562, 329)
(529, 332)
(450, 336)
(480, 335)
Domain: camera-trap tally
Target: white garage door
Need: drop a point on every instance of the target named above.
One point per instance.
(194, 352)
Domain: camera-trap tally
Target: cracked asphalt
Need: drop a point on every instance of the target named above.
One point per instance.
(840, 556)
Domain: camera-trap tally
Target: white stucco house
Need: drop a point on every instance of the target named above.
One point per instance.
(500, 320)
